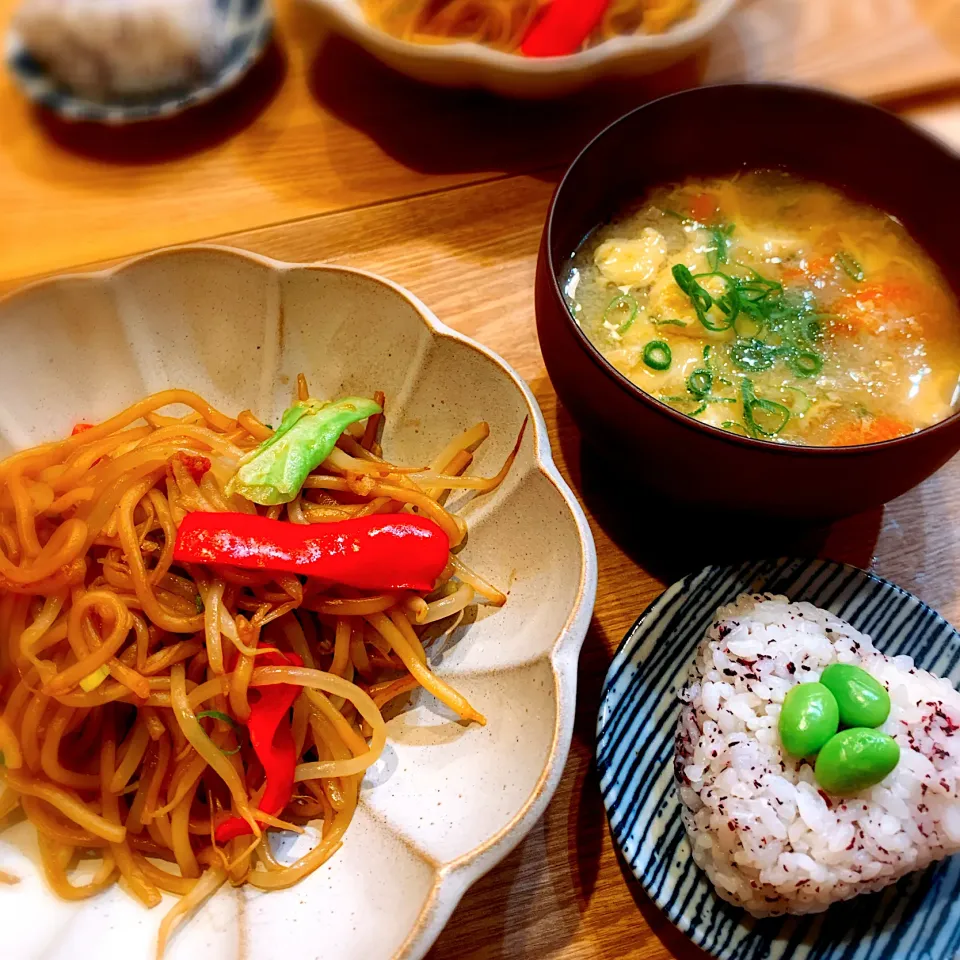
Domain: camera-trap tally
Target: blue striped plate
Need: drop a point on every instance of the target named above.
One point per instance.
(248, 25)
(917, 919)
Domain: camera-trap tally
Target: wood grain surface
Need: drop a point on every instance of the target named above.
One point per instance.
(318, 126)
(323, 155)
(869, 48)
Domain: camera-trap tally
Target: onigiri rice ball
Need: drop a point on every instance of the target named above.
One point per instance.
(103, 48)
(768, 837)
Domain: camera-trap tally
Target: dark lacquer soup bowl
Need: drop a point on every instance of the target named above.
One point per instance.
(873, 157)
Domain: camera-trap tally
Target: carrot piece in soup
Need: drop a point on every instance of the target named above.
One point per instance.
(874, 430)
(894, 292)
(870, 306)
(790, 274)
(814, 268)
(704, 207)
(819, 266)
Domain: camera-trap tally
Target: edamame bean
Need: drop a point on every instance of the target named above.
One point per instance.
(808, 719)
(862, 699)
(855, 759)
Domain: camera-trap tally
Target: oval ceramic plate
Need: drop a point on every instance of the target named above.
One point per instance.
(247, 24)
(916, 919)
(475, 65)
(446, 801)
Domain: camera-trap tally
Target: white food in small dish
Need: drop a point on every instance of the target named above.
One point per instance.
(768, 836)
(123, 48)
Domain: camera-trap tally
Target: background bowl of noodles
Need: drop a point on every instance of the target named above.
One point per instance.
(446, 801)
(471, 64)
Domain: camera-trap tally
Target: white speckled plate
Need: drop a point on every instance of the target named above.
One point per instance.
(446, 801)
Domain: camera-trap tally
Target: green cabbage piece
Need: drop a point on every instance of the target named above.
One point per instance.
(276, 470)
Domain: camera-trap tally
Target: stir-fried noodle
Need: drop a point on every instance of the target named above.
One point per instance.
(128, 679)
(503, 24)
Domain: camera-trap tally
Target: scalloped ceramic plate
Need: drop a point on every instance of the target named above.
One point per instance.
(446, 801)
(917, 918)
(475, 65)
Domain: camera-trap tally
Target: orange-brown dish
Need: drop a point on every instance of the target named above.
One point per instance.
(509, 24)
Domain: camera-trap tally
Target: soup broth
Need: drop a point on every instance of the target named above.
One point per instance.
(773, 307)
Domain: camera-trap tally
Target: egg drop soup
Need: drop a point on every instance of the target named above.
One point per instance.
(773, 307)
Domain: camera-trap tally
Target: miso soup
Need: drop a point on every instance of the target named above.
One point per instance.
(773, 307)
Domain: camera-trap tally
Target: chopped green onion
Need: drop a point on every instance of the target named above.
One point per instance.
(198, 603)
(760, 282)
(753, 355)
(719, 251)
(93, 680)
(669, 323)
(850, 266)
(734, 426)
(776, 415)
(686, 400)
(805, 363)
(657, 355)
(700, 298)
(700, 382)
(769, 322)
(218, 715)
(811, 327)
(727, 303)
(627, 308)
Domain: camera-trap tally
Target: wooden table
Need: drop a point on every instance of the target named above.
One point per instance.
(322, 154)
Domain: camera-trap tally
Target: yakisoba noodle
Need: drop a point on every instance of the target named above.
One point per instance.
(503, 24)
(126, 677)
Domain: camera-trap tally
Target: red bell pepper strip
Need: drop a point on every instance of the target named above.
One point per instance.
(272, 740)
(81, 428)
(563, 28)
(381, 552)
